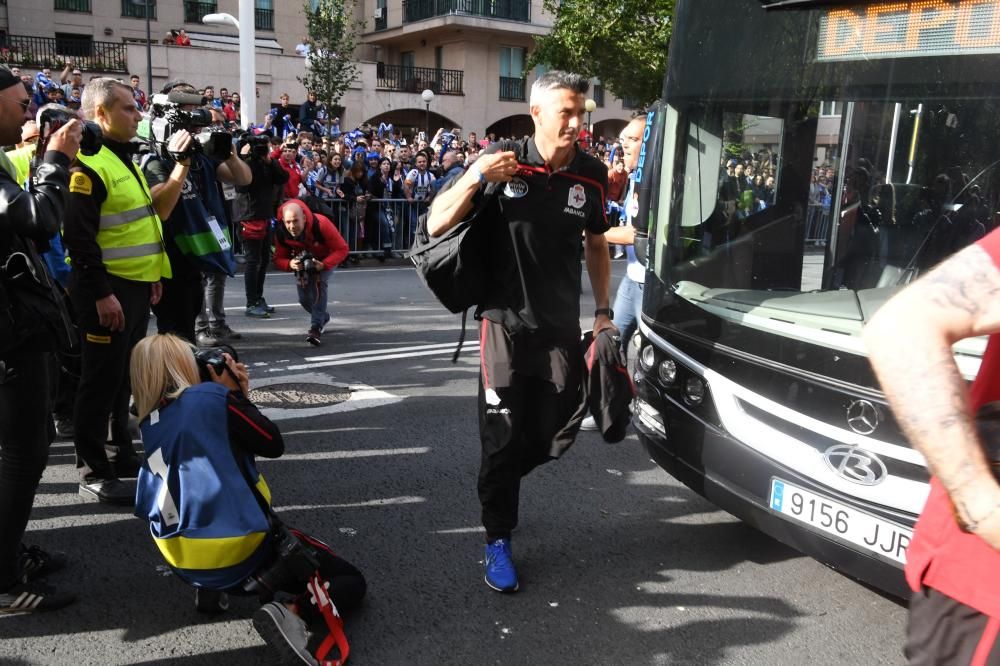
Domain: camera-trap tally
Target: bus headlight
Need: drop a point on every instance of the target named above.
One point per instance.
(694, 390)
(647, 358)
(668, 372)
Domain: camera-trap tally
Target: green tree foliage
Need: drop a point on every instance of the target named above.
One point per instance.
(333, 33)
(623, 43)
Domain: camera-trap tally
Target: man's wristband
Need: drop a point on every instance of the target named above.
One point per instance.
(604, 311)
(474, 170)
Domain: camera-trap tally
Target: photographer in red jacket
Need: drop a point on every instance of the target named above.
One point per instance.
(309, 245)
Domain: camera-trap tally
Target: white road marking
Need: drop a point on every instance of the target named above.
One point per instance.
(383, 501)
(379, 357)
(362, 397)
(347, 455)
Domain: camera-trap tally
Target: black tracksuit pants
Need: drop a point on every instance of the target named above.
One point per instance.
(104, 383)
(529, 388)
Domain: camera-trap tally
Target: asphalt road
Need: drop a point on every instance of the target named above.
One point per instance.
(619, 563)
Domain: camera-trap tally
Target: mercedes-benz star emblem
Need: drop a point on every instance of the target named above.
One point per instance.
(862, 417)
(855, 465)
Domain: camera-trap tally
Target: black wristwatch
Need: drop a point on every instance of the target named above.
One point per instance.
(604, 311)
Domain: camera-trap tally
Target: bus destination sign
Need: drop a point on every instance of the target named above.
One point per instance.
(909, 29)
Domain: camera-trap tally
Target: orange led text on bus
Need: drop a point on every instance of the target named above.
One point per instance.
(895, 28)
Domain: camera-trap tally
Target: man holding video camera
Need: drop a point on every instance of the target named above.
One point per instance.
(308, 244)
(200, 269)
(113, 233)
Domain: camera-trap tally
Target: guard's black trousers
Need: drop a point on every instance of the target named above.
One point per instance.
(104, 384)
(529, 390)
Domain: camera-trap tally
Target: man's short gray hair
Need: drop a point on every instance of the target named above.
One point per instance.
(556, 79)
(99, 92)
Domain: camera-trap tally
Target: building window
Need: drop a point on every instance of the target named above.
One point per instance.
(381, 15)
(73, 5)
(597, 94)
(263, 15)
(512, 73)
(830, 108)
(137, 9)
(194, 12)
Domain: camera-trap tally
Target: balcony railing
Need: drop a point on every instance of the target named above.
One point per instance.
(132, 9)
(511, 89)
(512, 10)
(40, 52)
(263, 19)
(194, 12)
(381, 18)
(417, 79)
(72, 5)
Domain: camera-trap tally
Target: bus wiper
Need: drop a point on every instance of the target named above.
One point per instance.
(801, 4)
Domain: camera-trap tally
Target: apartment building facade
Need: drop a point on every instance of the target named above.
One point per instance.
(469, 53)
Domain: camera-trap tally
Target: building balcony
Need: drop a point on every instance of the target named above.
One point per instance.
(194, 12)
(41, 52)
(510, 10)
(512, 89)
(401, 78)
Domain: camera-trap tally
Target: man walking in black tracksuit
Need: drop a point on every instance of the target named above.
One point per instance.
(531, 364)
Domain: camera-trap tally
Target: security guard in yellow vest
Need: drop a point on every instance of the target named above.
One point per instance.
(114, 237)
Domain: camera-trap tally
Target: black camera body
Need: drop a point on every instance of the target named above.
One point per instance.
(260, 146)
(213, 358)
(52, 117)
(168, 117)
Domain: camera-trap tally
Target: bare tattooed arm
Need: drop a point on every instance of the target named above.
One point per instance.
(909, 341)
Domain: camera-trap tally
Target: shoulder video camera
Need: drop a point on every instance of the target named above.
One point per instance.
(169, 116)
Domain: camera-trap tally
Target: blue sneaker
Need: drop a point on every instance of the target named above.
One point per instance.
(500, 572)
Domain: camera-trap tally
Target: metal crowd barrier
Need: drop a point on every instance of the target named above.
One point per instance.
(375, 227)
(817, 224)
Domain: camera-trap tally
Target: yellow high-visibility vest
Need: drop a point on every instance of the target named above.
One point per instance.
(130, 233)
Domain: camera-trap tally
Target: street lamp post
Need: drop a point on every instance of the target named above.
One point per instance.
(248, 66)
(146, 7)
(428, 96)
(590, 105)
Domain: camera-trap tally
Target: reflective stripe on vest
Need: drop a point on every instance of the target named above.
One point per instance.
(130, 234)
(117, 219)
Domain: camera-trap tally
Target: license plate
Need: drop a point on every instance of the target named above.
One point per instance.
(882, 537)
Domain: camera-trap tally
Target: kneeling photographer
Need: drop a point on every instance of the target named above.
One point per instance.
(308, 244)
(209, 509)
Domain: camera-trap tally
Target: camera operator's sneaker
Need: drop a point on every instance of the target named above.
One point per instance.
(35, 562)
(500, 572)
(223, 332)
(589, 423)
(284, 631)
(259, 311)
(108, 491)
(313, 337)
(33, 597)
(207, 339)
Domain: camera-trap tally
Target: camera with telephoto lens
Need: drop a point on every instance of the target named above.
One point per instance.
(212, 359)
(260, 146)
(168, 116)
(51, 118)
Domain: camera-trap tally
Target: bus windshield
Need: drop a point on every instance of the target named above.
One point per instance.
(797, 197)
